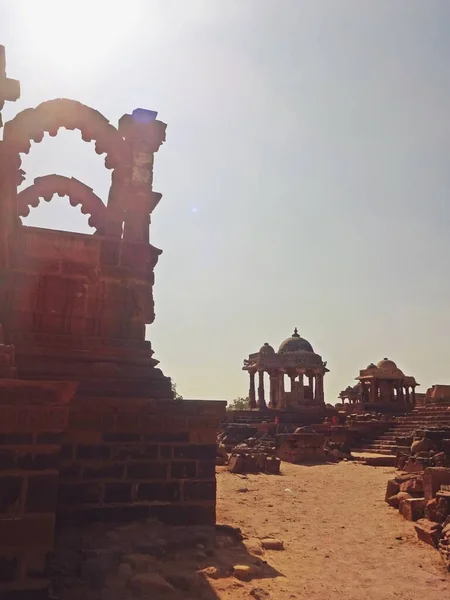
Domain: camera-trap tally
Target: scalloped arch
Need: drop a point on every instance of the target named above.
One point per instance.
(79, 193)
(31, 124)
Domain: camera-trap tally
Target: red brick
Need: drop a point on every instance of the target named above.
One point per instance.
(10, 494)
(199, 490)
(42, 493)
(159, 492)
(29, 529)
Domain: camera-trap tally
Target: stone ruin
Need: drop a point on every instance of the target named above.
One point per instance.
(89, 428)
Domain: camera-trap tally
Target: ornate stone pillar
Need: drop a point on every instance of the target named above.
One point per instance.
(261, 398)
(408, 400)
(363, 392)
(293, 388)
(413, 395)
(273, 390)
(281, 396)
(373, 390)
(132, 189)
(319, 397)
(311, 385)
(301, 389)
(400, 397)
(251, 392)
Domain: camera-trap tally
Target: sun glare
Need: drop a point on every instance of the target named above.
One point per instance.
(78, 36)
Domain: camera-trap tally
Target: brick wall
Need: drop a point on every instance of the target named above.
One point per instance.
(30, 443)
(124, 460)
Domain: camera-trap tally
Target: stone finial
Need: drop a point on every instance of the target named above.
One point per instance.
(295, 334)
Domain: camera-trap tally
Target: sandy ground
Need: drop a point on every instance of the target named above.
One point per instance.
(341, 539)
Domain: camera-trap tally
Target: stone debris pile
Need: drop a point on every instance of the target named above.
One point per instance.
(147, 560)
(251, 449)
(424, 448)
(424, 498)
(244, 461)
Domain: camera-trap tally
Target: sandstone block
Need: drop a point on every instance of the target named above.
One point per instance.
(412, 508)
(428, 531)
(272, 544)
(245, 572)
(433, 478)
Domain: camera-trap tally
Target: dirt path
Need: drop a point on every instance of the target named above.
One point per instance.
(342, 541)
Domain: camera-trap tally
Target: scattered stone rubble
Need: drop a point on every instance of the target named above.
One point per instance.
(259, 449)
(425, 448)
(147, 560)
(424, 498)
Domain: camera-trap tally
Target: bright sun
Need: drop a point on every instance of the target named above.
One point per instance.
(78, 36)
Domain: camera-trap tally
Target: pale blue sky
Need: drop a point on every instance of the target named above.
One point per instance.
(305, 176)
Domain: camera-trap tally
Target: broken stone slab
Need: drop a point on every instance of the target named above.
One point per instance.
(428, 531)
(412, 509)
(433, 478)
(402, 477)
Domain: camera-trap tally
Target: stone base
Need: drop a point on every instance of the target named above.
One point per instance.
(301, 448)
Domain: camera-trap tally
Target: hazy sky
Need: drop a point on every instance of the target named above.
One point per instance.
(305, 177)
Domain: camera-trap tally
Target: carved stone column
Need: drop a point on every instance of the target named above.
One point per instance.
(413, 395)
(373, 390)
(281, 396)
(273, 390)
(293, 388)
(407, 394)
(364, 392)
(251, 392)
(301, 389)
(261, 398)
(132, 187)
(319, 396)
(311, 385)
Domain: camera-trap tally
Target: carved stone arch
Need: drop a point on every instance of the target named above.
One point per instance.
(31, 124)
(79, 193)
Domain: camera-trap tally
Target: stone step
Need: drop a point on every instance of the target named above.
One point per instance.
(374, 450)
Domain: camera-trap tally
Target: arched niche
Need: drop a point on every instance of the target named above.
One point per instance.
(32, 123)
(77, 192)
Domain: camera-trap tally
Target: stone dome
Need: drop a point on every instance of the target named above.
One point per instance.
(387, 365)
(267, 350)
(295, 343)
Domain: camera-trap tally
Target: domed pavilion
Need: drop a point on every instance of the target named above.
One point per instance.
(381, 384)
(295, 360)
